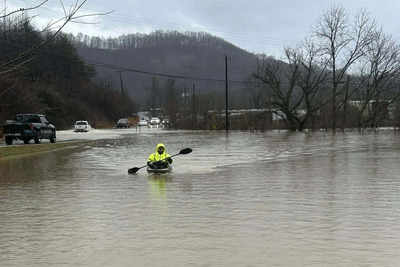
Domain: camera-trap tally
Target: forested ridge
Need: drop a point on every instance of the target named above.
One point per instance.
(190, 54)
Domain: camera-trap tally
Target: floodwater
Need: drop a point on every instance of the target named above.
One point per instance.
(243, 199)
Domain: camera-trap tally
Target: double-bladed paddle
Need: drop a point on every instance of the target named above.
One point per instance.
(182, 152)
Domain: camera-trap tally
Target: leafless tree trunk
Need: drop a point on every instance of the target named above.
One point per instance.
(345, 102)
(312, 79)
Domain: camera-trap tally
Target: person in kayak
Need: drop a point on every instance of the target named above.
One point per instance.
(160, 159)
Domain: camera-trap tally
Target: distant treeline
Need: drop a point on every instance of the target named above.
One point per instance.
(155, 39)
(43, 75)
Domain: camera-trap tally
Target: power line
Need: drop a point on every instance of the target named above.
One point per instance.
(119, 68)
(165, 75)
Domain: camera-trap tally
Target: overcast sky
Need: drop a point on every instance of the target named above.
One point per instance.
(260, 26)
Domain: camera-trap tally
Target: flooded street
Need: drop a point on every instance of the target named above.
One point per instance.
(243, 199)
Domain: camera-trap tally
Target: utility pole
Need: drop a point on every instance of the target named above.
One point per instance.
(226, 96)
(5, 13)
(121, 82)
(194, 115)
(185, 97)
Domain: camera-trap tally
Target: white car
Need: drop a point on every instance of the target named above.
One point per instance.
(82, 126)
(155, 121)
(143, 122)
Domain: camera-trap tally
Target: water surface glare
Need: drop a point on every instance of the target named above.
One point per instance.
(243, 199)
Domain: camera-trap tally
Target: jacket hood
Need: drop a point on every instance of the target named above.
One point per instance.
(161, 145)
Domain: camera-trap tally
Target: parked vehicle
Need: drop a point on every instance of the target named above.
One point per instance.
(155, 121)
(27, 127)
(165, 122)
(123, 123)
(143, 122)
(82, 126)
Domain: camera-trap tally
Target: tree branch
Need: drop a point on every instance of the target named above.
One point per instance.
(23, 9)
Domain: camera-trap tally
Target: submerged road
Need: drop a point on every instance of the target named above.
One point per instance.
(239, 199)
(94, 134)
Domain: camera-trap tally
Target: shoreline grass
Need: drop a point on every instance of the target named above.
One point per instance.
(10, 152)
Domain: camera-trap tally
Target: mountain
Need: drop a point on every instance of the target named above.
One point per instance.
(198, 55)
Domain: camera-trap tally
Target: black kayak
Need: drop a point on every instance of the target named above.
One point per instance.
(159, 170)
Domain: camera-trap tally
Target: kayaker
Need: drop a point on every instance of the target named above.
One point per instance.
(160, 159)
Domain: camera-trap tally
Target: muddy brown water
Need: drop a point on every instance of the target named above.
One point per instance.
(243, 199)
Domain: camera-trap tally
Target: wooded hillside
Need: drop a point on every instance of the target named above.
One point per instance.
(191, 55)
(52, 79)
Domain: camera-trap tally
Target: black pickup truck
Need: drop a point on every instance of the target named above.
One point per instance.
(27, 127)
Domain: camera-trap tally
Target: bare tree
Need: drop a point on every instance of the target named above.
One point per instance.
(343, 43)
(255, 91)
(379, 75)
(20, 10)
(71, 15)
(282, 79)
(296, 85)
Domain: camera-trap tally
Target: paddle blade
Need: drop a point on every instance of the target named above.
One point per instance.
(133, 170)
(185, 151)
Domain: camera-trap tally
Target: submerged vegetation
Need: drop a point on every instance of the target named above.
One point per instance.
(22, 151)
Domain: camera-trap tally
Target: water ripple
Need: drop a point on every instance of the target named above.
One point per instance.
(243, 199)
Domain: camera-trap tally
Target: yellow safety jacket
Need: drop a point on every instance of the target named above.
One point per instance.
(156, 156)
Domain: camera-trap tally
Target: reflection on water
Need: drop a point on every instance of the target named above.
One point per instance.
(245, 199)
(158, 183)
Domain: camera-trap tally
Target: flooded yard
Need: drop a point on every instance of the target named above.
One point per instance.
(242, 199)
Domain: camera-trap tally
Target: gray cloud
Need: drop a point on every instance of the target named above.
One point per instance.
(258, 26)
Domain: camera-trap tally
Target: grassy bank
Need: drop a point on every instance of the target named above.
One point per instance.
(10, 152)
